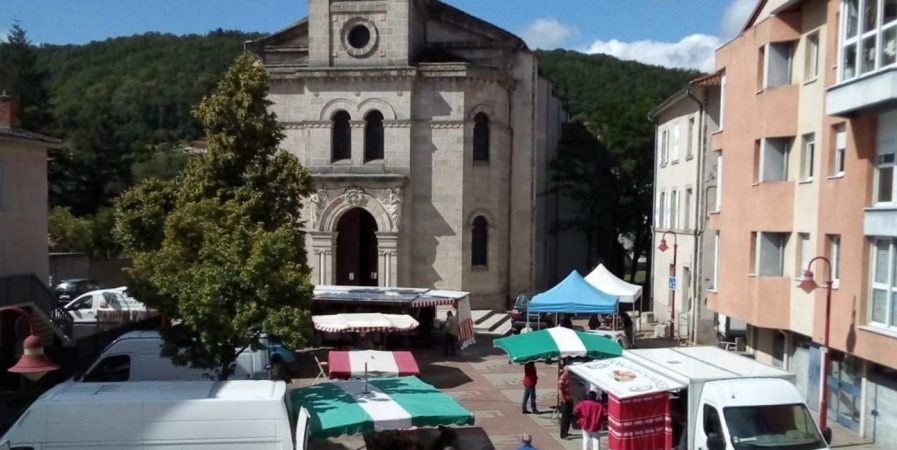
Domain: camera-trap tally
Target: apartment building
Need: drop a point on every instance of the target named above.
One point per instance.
(684, 193)
(808, 132)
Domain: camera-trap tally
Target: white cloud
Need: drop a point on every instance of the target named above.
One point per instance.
(548, 33)
(734, 17)
(695, 51)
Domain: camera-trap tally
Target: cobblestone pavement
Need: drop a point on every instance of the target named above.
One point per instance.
(481, 379)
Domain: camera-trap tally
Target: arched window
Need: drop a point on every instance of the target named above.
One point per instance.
(481, 137)
(479, 254)
(341, 137)
(373, 136)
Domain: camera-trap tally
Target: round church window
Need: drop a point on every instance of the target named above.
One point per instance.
(359, 36)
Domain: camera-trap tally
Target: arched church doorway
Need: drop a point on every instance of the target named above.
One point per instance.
(356, 249)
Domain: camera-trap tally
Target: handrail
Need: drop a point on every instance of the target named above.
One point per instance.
(27, 288)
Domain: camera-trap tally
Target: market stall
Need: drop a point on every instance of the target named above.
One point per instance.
(639, 410)
(364, 363)
(366, 406)
(330, 299)
(573, 295)
(605, 281)
(364, 323)
(557, 342)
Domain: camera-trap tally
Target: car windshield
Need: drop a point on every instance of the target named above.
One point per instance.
(521, 301)
(788, 427)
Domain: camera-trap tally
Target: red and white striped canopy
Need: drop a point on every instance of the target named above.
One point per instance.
(352, 364)
(364, 322)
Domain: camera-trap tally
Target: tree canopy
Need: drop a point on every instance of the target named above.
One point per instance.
(610, 99)
(221, 252)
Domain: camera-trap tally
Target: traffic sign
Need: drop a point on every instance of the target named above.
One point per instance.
(673, 282)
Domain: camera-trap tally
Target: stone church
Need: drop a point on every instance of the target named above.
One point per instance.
(428, 132)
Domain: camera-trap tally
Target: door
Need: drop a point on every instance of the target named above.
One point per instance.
(844, 381)
(356, 249)
(706, 423)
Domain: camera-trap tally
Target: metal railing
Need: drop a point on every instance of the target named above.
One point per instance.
(27, 289)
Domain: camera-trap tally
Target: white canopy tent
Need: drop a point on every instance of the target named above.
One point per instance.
(607, 282)
(364, 322)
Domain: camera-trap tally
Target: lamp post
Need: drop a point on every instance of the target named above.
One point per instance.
(33, 364)
(809, 285)
(663, 247)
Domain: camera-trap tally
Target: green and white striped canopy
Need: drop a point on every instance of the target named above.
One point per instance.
(344, 408)
(557, 342)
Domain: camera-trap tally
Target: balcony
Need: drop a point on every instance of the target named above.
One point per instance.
(880, 221)
(877, 90)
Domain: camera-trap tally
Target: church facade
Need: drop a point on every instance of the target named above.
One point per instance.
(428, 134)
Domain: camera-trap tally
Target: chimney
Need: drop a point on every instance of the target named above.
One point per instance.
(7, 110)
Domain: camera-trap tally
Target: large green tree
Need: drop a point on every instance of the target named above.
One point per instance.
(20, 76)
(221, 253)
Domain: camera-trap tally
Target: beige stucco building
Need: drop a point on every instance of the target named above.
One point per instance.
(427, 132)
(684, 191)
(807, 132)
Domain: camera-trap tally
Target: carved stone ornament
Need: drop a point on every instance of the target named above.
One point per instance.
(317, 201)
(393, 205)
(355, 196)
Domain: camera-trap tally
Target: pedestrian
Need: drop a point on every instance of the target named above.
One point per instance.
(567, 322)
(279, 369)
(627, 327)
(530, 377)
(591, 417)
(451, 334)
(526, 443)
(594, 322)
(566, 391)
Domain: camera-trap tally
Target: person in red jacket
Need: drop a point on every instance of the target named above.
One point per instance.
(591, 414)
(530, 377)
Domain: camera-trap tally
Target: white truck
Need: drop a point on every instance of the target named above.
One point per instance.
(719, 400)
(235, 415)
(86, 309)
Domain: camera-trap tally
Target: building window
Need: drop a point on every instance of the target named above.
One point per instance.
(661, 207)
(689, 194)
(777, 59)
(664, 147)
(883, 301)
(887, 144)
(719, 182)
(690, 142)
(674, 146)
(674, 209)
(481, 137)
(807, 156)
(373, 136)
(340, 137)
(804, 253)
(666, 212)
(770, 253)
(714, 265)
(722, 101)
(840, 150)
(868, 36)
(811, 59)
(834, 255)
(479, 255)
(773, 159)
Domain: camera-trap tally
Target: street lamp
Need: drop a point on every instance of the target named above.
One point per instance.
(663, 247)
(809, 285)
(33, 364)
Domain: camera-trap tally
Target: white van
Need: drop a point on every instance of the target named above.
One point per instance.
(134, 356)
(86, 308)
(229, 415)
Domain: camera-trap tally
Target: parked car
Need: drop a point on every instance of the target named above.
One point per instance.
(519, 314)
(135, 356)
(69, 289)
(86, 308)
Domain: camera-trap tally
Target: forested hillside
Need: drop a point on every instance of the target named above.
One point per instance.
(605, 163)
(120, 104)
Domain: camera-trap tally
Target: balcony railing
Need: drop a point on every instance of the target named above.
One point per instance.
(27, 289)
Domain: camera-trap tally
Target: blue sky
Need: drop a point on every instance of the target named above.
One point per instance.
(666, 32)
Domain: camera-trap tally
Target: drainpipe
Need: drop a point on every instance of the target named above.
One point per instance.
(698, 232)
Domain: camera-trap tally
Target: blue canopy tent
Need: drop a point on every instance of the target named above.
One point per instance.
(574, 295)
